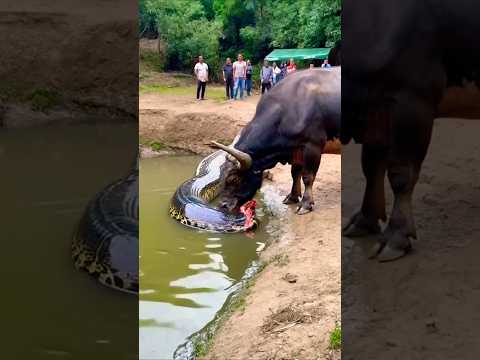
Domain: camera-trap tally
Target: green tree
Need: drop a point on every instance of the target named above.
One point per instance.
(186, 31)
(221, 28)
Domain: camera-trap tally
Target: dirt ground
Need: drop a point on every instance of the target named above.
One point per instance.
(185, 123)
(423, 306)
(294, 304)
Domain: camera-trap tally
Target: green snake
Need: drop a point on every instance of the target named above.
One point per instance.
(190, 205)
(106, 242)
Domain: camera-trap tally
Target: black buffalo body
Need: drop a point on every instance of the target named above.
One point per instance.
(292, 124)
(398, 60)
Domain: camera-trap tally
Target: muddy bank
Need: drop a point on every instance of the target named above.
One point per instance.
(182, 123)
(66, 63)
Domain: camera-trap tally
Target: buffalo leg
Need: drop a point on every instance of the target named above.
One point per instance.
(412, 135)
(311, 156)
(365, 221)
(294, 196)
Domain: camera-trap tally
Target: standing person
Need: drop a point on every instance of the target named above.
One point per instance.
(266, 76)
(326, 64)
(277, 73)
(292, 67)
(201, 71)
(228, 78)
(248, 79)
(312, 65)
(239, 75)
(284, 70)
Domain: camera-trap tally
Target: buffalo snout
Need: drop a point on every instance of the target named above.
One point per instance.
(228, 205)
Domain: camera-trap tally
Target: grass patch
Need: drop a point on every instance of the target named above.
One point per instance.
(43, 99)
(336, 338)
(155, 145)
(39, 99)
(212, 92)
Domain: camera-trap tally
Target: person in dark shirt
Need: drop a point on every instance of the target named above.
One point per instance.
(248, 83)
(266, 76)
(284, 70)
(228, 78)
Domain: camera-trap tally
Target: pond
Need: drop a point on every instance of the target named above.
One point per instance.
(48, 175)
(186, 275)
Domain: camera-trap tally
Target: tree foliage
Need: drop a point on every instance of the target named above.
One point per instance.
(220, 28)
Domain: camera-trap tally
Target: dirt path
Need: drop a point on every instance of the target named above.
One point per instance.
(294, 303)
(425, 304)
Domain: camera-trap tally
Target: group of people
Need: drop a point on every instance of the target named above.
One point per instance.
(237, 76)
(272, 75)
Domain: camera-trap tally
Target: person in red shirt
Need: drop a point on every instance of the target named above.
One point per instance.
(292, 67)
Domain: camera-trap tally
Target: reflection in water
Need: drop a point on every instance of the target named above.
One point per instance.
(185, 274)
(47, 178)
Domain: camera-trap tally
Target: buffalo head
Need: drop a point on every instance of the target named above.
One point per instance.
(241, 181)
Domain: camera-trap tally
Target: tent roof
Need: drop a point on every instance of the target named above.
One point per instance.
(298, 54)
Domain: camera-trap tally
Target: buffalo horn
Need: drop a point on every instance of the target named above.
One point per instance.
(244, 159)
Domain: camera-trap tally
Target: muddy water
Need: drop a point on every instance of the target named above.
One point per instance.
(49, 309)
(185, 275)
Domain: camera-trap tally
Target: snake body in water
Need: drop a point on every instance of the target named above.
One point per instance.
(191, 203)
(106, 241)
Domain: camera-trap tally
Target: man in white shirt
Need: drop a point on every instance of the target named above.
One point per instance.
(239, 76)
(326, 64)
(201, 71)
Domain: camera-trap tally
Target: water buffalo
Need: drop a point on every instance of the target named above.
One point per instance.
(292, 124)
(398, 59)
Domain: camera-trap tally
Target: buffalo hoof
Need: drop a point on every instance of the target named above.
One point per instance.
(304, 209)
(384, 252)
(359, 225)
(291, 199)
(389, 254)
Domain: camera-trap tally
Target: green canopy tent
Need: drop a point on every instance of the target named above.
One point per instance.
(298, 54)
